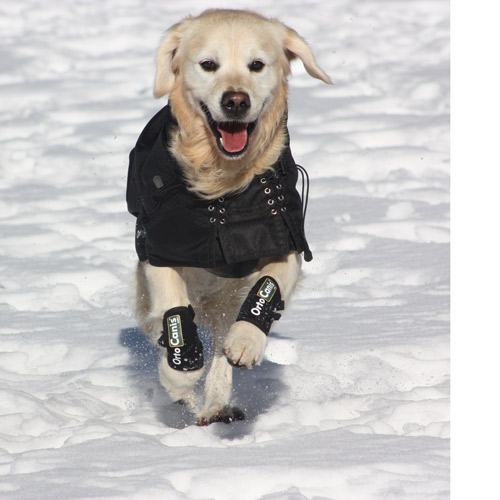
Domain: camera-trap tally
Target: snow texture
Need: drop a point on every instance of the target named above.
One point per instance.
(352, 400)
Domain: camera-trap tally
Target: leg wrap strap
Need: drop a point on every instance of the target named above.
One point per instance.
(180, 338)
(261, 304)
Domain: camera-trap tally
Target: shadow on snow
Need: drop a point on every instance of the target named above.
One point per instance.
(254, 391)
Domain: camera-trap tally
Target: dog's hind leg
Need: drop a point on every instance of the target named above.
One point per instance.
(218, 383)
(218, 387)
(159, 290)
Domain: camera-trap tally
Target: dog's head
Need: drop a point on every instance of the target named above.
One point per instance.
(231, 66)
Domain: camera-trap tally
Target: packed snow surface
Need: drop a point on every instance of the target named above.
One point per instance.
(352, 399)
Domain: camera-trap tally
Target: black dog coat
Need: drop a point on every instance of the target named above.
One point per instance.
(228, 235)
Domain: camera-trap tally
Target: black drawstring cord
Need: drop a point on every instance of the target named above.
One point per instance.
(304, 200)
(305, 189)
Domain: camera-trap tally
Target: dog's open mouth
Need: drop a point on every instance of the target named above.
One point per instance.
(232, 136)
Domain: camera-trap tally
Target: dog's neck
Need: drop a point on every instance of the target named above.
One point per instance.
(207, 172)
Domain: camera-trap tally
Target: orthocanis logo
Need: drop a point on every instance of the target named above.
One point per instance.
(266, 293)
(175, 338)
(267, 290)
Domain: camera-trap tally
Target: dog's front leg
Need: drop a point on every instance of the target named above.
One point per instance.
(246, 341)
(167, 317)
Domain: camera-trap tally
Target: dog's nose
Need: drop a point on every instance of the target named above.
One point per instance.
(235, 104)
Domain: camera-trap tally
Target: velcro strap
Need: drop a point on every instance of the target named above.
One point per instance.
(180, 338)
(261, 304)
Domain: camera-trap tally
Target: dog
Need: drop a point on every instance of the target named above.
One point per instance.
(220, 229)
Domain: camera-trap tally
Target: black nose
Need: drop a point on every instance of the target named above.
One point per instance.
(235, 104)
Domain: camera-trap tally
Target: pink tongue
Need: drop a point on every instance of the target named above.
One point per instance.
(233, 141)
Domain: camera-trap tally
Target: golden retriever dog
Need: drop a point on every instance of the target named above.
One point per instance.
(220, 228)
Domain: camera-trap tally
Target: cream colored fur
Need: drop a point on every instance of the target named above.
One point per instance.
(234, 39)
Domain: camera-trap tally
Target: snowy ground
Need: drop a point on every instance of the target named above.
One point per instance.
(352, 400)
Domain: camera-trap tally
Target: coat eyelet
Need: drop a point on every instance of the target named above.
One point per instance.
(212, 220)
(222, 221)
(270, 202)
(281, 197)
(279, 186)
(274, 211)
(283, 209)
(211, 208)
(263, 180)
(221, 200)
(267, 190)
(222, 210)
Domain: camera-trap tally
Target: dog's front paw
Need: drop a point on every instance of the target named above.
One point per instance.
(245, 345)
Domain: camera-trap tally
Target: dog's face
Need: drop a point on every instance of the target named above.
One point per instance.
(232, 78)
(232, 65)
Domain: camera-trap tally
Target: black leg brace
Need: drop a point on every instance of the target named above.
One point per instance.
(180, 338)
(261, 304)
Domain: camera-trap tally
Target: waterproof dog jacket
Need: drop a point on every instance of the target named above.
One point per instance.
(228, 235)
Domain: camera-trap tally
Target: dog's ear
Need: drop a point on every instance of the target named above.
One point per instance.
(165, 68)
(295, 46)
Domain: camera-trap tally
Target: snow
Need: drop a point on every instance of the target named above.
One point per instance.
(352, 401)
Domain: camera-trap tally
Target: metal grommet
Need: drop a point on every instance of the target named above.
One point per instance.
(222, 210)
(211, 208)
(263, 180)
(283, 209)
(279, 186)
(221, 200)
(267, 190)
(281, 197)
(270, 202)
(274, 211)
(212, 219)
(222, 221)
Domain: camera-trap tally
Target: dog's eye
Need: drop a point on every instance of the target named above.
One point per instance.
(256, 66)
(209, 65)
